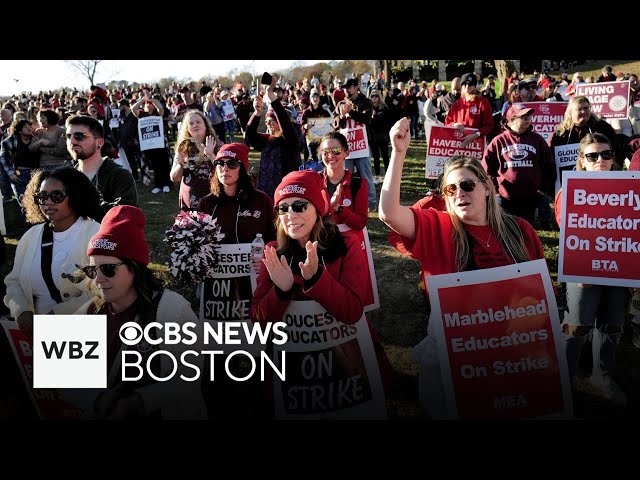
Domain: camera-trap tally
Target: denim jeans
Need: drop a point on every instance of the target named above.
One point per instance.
(364, 167)
(5, 184)
(20, 186)
(599, 306)
(544, 209)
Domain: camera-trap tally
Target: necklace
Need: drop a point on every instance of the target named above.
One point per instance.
(486, 242)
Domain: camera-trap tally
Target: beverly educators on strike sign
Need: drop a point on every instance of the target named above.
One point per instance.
(599, 218)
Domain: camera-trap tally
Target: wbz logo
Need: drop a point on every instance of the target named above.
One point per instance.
(69, 351)
(604, 266)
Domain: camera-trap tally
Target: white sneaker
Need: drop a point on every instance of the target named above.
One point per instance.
(606, 388)
(166, 189)
(155, 190)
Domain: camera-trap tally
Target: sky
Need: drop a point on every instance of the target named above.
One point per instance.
(35, 75)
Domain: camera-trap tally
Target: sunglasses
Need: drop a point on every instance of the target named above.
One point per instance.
(529, 87)
(298, 206)
(107, 269)
(376, 96)
(57, 196)
(466, 186)
(79, 136)
(334, 150)
(231, 164)
(593, 157)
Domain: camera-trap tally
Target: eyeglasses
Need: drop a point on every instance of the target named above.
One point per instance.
(298, 206)
(583, 109)
(334, 150)
(231, 164)
(466, 185)
(593, 157)
(79, 136)
(107, 269)
(57, 196)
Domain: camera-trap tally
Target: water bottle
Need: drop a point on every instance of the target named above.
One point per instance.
(257, 251)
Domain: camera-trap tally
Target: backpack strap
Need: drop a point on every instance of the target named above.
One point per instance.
(356, 181)
(46, 257)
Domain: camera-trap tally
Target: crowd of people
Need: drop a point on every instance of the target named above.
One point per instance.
(76, 179)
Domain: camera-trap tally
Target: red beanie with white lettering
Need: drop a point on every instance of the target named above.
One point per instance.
(238, 151)
(306, 184)
(121, 235)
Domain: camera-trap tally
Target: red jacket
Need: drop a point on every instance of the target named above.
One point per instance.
(339, 289)
(476, 113)
(355, 215)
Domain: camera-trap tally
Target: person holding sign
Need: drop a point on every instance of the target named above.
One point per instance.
(349, 195)
(156, 155)
(279, 146)
(578, 122)
(483, 234)
(129, 292)
(600, 306)
(472, 110)
(353, 117)
(311, 260)
(315, 110)
(520, 164)
(242, 210)
(63, 204)
(196, 145)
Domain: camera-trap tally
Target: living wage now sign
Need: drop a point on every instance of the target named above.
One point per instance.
(499, 344)
(600, 228)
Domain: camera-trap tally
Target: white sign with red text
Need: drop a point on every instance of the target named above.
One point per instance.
(356, 134)
(331, 369)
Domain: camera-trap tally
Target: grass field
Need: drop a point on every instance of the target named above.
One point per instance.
(400, 320)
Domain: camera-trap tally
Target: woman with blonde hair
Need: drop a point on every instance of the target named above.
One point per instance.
(578, 121)
(474, 233)
(196, 148)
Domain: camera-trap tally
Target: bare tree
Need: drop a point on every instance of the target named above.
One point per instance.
(85, 67)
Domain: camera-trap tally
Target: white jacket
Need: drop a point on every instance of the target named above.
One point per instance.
(176, 399)
(19, 297)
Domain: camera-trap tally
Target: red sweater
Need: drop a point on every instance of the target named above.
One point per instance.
(339, 289)
(476, 113)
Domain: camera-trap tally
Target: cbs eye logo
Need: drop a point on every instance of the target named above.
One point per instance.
(131, 333)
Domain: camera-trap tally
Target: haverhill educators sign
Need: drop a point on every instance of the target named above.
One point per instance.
(600, 228)
(445, 142)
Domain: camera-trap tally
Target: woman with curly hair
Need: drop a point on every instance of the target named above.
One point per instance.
(192, 166)
(62, 204)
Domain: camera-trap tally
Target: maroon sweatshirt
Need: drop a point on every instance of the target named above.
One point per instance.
(520, 165)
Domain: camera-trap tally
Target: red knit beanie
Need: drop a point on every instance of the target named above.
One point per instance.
(306, 184)
(239, 151)
(121, 235)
